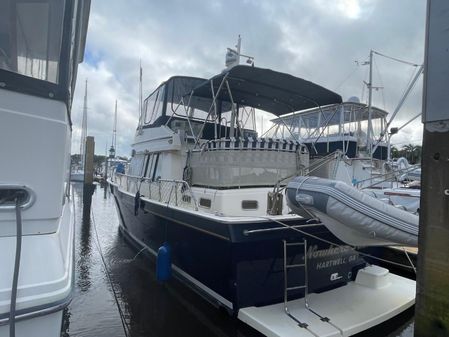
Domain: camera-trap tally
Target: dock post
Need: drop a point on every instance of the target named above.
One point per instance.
(105, 177)
(432, 294)
(88, 187)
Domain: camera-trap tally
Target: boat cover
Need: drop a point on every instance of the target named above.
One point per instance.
(268, 90)
(352, 215)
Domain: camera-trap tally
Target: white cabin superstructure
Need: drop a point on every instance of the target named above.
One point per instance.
(38, 67)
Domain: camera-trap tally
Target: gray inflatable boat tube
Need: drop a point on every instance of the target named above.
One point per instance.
(353, 216)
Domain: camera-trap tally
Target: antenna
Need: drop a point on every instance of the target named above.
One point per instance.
(141, 117)
(238, 46)
(233, 55)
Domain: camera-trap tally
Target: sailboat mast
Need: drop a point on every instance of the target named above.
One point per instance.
(238, 46)
(83, 127)
(114, 131)
(370, 102)
(141, 117)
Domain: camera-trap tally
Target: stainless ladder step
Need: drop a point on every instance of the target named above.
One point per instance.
(294, 243)
(295, 265)
(294, 288)
(305, 287)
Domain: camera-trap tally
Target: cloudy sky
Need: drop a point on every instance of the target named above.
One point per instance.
(318, 40)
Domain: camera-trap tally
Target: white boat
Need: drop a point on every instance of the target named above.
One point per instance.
(77, 175)
(204, 189)
(350, 142)
(38, 66)
(336, 138)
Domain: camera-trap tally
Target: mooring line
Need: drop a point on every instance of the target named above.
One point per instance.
(97, 243)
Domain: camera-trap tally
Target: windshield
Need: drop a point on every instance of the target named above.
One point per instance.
(30, 37)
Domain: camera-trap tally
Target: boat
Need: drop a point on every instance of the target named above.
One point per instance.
(351, 141)
(38, 68)
(336, 136)
(204, 196)
(77, 175)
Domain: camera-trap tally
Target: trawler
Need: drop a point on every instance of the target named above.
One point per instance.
(205, 194)
(351, 142)
(341, 148)
(42, 43)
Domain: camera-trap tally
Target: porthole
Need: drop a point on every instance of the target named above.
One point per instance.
(10, 193)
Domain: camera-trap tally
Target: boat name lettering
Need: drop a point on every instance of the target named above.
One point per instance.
(335, 262)
(313, 252)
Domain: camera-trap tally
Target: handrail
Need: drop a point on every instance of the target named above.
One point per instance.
(164, 193)
(388, 176)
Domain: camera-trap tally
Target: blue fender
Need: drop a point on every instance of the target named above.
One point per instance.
(163, 263)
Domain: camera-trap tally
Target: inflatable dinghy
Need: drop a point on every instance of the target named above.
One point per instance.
(353, 216)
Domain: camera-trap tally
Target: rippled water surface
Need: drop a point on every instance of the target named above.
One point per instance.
(148, 307)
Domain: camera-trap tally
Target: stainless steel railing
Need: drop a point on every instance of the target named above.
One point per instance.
(169, 191)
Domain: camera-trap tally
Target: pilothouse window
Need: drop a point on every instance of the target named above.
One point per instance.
(154, 105)
(30, 37)
(137, 165)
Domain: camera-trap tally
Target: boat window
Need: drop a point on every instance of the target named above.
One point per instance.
(157, 167)
(150, 166)
(207, 203)
(30, 37)
(137, 165)
(250, 204)
(154, 105)
(147, 164)
(183, 105)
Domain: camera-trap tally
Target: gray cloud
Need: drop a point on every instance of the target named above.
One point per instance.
(318, 40)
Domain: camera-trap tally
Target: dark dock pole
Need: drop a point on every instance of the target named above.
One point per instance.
(88, 187)
(432, 295)
(105, 177)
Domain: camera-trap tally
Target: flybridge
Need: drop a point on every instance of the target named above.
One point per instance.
(259, 88)
(229, 100)
(265, 89)
(341, 127)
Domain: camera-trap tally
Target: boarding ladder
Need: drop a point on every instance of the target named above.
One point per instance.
(304, 286)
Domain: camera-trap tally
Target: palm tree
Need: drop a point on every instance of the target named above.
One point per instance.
(418, 153)
(394, 152)
(412, 152)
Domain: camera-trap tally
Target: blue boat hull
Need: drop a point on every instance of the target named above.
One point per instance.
(230, 267)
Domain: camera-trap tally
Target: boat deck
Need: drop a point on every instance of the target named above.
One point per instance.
(353, 308)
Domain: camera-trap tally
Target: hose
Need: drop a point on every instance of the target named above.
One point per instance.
(15, 279)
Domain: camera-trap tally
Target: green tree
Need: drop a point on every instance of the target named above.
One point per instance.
(412, 153)
(394, 152)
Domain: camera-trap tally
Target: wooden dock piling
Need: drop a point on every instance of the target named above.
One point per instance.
(432, 296)
(88, 187)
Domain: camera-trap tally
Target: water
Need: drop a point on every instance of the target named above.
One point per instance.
(148, 307)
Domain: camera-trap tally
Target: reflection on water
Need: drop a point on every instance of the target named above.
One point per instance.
(149, 308)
